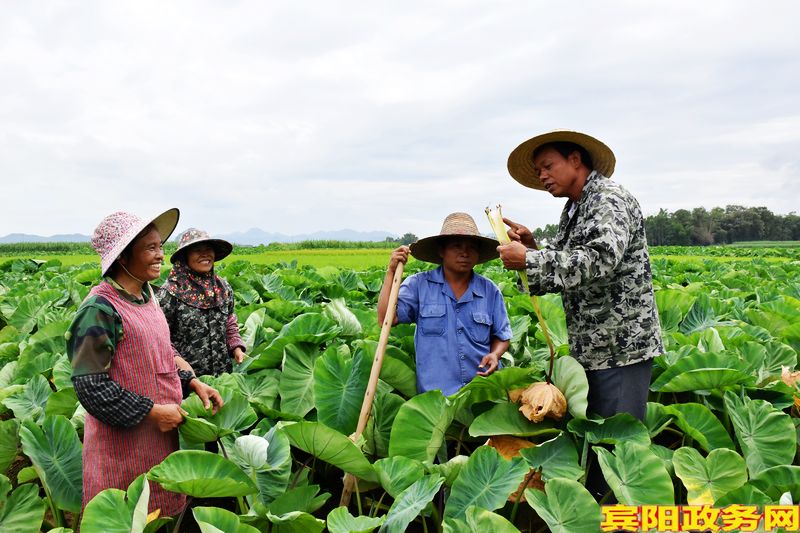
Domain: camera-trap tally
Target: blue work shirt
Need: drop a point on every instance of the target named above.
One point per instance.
(452, 335)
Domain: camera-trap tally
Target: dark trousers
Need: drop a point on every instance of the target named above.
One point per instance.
(611, 391)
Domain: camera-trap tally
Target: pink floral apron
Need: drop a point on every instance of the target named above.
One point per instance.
(143, 363)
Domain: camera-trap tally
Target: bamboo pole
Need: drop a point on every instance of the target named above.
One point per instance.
(372, 386)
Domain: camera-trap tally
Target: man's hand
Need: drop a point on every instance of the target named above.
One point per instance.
(166, 416)
(238, 354)
(513, 255)
(207, 394)
(399, 255)
(488, 363)
(520, 233)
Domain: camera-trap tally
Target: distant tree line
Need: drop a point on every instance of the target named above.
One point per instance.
(700, 227)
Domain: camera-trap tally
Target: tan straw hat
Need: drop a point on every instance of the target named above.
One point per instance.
(520, 162)
(455, 225)
(191, 236)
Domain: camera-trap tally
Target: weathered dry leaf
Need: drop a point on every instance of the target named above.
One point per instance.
(790, 378)
(509, 446)
(542, 400)
(515, 395)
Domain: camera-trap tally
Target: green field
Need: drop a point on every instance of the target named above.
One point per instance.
(361, 258)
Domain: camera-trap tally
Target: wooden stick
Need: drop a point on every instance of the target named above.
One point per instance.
(372, 386)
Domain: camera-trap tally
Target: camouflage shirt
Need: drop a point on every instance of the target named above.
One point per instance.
(205, 338)
(599, 263)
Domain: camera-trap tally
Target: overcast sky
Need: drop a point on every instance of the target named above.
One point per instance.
(297, 116)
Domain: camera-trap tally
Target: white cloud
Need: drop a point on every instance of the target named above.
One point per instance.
(296, 117)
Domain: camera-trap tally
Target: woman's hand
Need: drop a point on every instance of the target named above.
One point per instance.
(238, 354)
(207, 394)
(166, 416)
(520, 233)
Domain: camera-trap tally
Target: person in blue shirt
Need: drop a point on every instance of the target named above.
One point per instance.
(462, 322)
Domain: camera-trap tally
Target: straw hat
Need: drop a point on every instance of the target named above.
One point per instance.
(222, 248)
(455, 225)
(118, 230)
(520, 162)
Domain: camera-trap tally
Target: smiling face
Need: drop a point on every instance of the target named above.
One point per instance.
(561, 176)
(145, 257)
(200, 258)
(459, 254)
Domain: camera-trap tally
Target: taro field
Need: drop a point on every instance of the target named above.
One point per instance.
(720, 430)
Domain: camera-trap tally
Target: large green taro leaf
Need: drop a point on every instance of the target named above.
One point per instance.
(702, 371)
(379, 426)
(297, 379)
(203, 425)
(616, 429)
(260, 388)
(396, 474)
(777, 480)
(30, 402)
(709, 478)
(419, 426)
(477, 520)
(570, 378)
(295, 522)
(673, 304)
(23, 510)
(504, 418)
(556, 457)
(487, 480)
(310, 328)
(330, 446)
(214, 519)
(566, 506)
(701, 316)
(268, 459)
(766, 436)
(340, 382)
(697, 421)
(9, 442)
(55, 451)
(115, 511)
(341, 521)
(636, 475)
(496, 386)
(202, 475)
(410, 503)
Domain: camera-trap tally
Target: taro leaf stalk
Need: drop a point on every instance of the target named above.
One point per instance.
(495, 217)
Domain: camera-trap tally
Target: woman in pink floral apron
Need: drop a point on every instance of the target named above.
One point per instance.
(124, 366)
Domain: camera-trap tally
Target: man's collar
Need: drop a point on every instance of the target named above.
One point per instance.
(437, 276)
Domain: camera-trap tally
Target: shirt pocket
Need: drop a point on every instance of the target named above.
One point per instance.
(481, 327)
(432, 320)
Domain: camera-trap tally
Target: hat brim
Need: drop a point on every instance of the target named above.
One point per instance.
(165, 224)
(427, 249)
(222, 249)
(520, 162)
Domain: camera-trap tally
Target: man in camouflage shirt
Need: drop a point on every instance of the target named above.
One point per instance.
(599, 263)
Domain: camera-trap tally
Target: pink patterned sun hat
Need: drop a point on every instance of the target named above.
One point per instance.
(118, 230)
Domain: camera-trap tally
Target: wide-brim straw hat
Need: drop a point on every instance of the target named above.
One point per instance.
(116, 231)
(455, 225)
(192, 236)
(520, 162)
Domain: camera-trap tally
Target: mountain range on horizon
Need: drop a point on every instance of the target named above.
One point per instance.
(251, 237)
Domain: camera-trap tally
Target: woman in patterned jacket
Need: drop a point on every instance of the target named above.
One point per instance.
(125, 371)
(199, 306)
